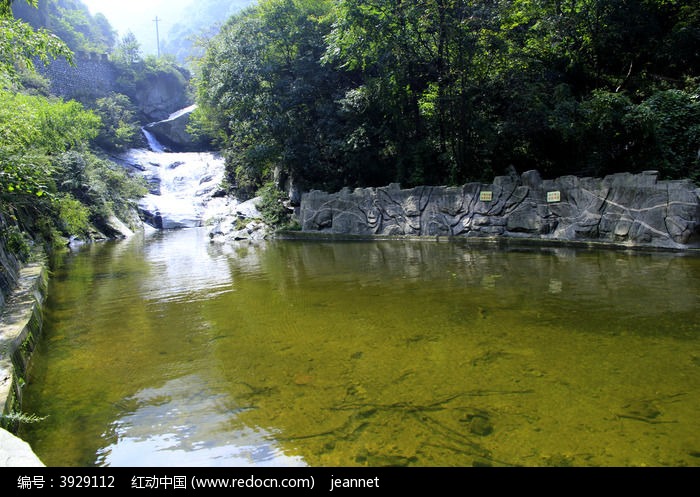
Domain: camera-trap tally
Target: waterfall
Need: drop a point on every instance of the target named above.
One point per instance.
(181, 112)
(184, 187)
(153, 142)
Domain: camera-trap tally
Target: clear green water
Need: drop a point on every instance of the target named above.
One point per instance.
(170, 351)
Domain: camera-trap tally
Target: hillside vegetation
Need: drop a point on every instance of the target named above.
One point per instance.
(55, 181)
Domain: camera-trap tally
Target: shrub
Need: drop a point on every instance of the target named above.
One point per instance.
(272, 206)
(17, 242)
(120, 129)
(74, 216)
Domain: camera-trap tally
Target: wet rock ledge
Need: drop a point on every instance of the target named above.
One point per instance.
(628, 210)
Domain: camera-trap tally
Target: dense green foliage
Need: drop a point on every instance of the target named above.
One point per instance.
(267, 97)
(356, 93)
(51, 185)
(21, 45)
(273, 208)
(120, 130)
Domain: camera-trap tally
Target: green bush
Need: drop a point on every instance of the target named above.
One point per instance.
(100, 185)
(674, 140)
(17, 242)
(272, 207)
(120, 129)
(74, 216)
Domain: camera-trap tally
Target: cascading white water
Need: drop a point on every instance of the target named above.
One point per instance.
(182, 185)
(181, 112)
(153, 142)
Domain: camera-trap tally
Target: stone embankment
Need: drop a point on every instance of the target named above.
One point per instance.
(93, 76)
(20, 327)
(90, 76)
(629, 210)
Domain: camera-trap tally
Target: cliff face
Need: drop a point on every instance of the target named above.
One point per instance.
(157, 96)
(625, 209)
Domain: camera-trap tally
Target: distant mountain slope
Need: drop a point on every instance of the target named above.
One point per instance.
(71, 21)
(202, 18)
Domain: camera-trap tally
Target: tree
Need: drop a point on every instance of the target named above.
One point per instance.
(429, 66)
(104, 31)
(6, 7)
(267, 97)
(379, 38)
(128, 51)
(119, 125)
(71, 21)
(350, 93)
(50, 183)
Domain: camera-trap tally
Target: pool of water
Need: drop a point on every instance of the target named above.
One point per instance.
(167, 350)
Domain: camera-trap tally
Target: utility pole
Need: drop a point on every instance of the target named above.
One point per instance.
(156, 20)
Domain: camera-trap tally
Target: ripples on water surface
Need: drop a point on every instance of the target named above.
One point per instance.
(171, 351)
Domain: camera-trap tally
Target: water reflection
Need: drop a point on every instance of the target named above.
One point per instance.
(182, 423)
(170, 350)
(183, 268)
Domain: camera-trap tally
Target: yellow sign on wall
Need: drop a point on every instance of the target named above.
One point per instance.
(486, 196)
(554, 196)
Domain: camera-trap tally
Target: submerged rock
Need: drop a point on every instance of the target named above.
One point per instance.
(480, 426)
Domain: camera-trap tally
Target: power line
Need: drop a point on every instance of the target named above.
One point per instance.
(156, 20)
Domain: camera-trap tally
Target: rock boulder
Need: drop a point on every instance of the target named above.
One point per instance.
(172, 132)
